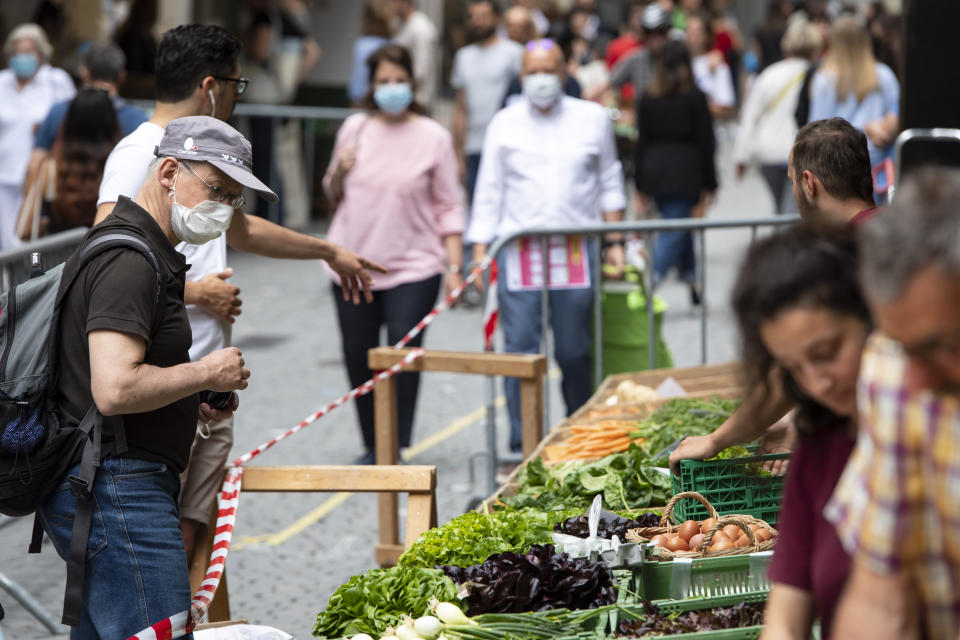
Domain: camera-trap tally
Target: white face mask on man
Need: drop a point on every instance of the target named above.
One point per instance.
(201, 223)
(542, 89)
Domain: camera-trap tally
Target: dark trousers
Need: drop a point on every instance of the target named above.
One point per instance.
(472, 161)
(400, 309)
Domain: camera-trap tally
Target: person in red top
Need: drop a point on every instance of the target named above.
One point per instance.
(632, 36)
(804, 322)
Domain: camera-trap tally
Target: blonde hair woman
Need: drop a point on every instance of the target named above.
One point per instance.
(851, 84)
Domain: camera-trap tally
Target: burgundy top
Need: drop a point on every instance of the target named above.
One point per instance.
(808, 555)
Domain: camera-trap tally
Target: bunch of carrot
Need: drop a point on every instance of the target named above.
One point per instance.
(597, 440)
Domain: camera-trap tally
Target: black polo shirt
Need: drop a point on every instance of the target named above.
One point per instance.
(116, 291)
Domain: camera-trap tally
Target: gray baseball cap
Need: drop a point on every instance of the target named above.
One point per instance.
(206, 139)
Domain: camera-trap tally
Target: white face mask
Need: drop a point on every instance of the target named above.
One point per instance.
(542, 89)
(201, 224)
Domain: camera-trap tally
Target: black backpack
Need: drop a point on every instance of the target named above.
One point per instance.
(35, 449)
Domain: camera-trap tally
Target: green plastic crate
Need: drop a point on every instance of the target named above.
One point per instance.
(695, 604)
(685, 578)
(730, 487)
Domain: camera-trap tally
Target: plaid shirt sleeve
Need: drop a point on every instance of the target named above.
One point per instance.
(878, 499)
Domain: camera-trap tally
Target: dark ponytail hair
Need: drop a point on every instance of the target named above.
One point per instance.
(801, 268)
(88, 134)
(400, 56)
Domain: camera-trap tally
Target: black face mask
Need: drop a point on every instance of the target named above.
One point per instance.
(482, 33)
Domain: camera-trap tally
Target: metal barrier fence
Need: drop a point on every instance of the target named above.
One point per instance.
(594, 233)
(53, 249)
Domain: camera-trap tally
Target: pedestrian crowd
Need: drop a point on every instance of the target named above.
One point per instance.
(850, 336)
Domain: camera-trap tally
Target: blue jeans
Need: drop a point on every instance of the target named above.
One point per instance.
(674, 248)
(571, 313)
(136, 571)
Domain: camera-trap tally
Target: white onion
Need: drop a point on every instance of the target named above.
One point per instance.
(428, 627)
(361, 636)
(407, 632)
(450, 613)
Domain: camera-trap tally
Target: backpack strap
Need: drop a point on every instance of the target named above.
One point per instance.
(81, 486)
(90, 250)
(36, 540)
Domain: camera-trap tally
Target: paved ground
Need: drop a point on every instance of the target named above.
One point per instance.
(294, 550)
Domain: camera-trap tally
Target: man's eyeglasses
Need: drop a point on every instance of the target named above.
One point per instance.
(241, 83)
(216, 193)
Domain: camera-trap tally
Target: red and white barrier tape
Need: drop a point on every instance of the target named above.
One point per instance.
(184, 622)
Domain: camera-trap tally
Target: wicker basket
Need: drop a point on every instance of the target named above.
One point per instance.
(667, 524)
(668, 527)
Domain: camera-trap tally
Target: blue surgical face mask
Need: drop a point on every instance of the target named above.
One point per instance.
(24, 65)
(393, 98)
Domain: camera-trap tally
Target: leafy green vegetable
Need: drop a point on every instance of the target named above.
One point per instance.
(679, 418)
(473, 537)
(371, 602)
(736, 451)
(625, 479)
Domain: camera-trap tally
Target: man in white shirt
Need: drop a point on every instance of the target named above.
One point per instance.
(196, 74)
(548, 161)
(418, 34)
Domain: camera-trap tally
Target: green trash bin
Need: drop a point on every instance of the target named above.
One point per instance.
(626, 327)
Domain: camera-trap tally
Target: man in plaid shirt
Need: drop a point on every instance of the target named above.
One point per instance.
(897, 506)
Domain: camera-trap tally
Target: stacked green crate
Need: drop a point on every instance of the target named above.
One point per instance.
(732, 486)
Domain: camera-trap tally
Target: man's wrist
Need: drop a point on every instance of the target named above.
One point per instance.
(454, 268)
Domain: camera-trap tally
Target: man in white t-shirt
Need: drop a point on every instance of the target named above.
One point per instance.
(196, 74)
(418, 34)
(481, 74)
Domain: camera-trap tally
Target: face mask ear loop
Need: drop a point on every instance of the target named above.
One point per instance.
(173, 189)
(213, 104)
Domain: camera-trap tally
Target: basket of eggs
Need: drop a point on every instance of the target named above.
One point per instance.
(714, 537)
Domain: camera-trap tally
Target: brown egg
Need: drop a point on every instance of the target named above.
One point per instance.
(733, 531)
(742, 541)
(707, 524)
(721, 544)
(659, 540)
(720, 534)
(676, 543)
(762, 535)
(688, 529)
(695, 541)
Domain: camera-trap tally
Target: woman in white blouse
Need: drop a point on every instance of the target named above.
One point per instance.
(29, 86)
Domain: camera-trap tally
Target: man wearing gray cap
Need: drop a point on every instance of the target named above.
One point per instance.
(124, 347)
(196, 73)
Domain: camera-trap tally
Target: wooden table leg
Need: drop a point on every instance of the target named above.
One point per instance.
(385, 419)
(531, 411)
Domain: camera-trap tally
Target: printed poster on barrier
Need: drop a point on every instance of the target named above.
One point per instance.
(567, 264)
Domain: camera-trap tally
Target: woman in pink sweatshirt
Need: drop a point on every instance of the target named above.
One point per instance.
(393, 177)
